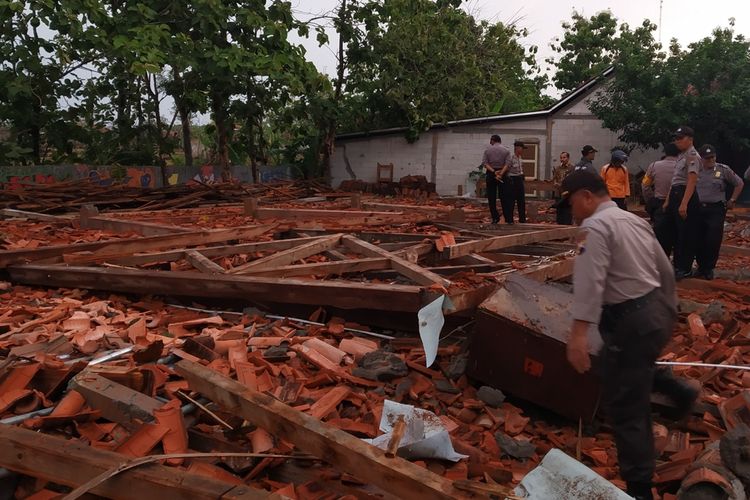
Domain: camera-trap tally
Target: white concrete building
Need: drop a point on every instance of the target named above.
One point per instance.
(447, 153)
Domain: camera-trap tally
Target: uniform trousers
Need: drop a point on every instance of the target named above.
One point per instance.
(621, 203)
(685, 230)
(564, 214)
(711, 230)
(514, 192)
(494, 188)
(664, 229)
(634, 333)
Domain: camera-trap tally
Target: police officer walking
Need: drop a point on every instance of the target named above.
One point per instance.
(713, 181)
(623, 282)
(496, 161)
(514, 190)
(588, 153)
(682, 204)
(655, 187)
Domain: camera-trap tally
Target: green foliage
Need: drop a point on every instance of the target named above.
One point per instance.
(706, 87)
(415, 63)
(587, 48)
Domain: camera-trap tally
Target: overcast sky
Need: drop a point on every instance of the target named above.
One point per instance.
(686, 20)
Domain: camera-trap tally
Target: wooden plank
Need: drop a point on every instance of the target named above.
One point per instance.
(290, 256)
(203, 263)
(733, 250)
(213, 251)
(499, 242)
(22, 214)
(309, 214)
(129, 247)
(403, 266)
(326, 268)
(348, 453)
(72, 463)
(133, 245)
(129, 226)
(344, 294)
(552, 271)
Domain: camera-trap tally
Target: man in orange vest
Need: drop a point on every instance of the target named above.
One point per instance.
(617, 179)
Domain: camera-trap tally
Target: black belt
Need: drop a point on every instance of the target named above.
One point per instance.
(713, 204)
(627, 307)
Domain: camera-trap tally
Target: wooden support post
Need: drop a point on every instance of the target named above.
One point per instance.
(357, 201)
(460, 190)
(348, 453)
(203, 263)
(290, 256)
(403, 266)
(250, 207)
(70, 462)
(87, 211)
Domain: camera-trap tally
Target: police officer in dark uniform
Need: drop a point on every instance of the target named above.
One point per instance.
(624, 283)
(713, 181)
(682, 203)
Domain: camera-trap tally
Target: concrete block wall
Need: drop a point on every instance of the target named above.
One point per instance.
(459, 151)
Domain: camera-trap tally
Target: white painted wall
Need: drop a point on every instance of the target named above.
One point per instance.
(460, 148)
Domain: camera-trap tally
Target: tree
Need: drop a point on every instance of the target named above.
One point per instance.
(422, 62)
(587, 48)
(706, 86)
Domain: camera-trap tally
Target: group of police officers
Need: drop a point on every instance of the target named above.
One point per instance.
(624, 284)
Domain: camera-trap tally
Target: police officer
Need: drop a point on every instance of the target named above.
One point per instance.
(682, 203)
(514, 191)
(655, 186)
(588, 153)
(496, 161)
(713, 181)
(623, 282)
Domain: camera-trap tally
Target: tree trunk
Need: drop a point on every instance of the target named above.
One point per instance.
(330, 137)
(220, 120)
(187, 145)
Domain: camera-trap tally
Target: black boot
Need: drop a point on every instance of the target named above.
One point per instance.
(639, 491)
(680, 391)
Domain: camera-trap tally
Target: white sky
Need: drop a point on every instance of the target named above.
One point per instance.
(686, 20)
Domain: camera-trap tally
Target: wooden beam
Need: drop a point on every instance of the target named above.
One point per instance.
(499, 242)
(309, 214)
(733, 250)
(129, 247)
(22, 214)
(403, 266)
(102, 250)
(213, 251)
(129, 226)
(326, 268)
(335, 293)
(551, 271)
(290, 256)
(346, 452)
(203, 263)
(70, 462)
